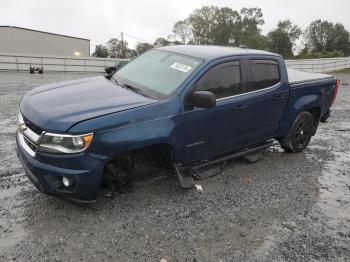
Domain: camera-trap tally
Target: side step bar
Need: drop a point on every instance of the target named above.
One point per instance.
(186, 173)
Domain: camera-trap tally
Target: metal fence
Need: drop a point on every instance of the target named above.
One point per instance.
(19, 62)
(16, 62)
(320, 65)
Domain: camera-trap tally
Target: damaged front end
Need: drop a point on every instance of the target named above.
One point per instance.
(59, 164)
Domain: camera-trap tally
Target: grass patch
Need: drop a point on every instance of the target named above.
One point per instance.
(346, 70)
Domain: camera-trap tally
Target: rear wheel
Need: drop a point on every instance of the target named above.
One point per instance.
(300, 134)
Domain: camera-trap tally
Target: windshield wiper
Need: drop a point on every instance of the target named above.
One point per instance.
(128, 86)
(109, 77)
(133, 88)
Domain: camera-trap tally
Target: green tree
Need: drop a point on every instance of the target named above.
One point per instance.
(222, 26)
(202, 23)
(116, 48)
(325, 36)
(182, 30)
(143, 47)
(119, 49)
(282, 39)
(306, 53)
(176, 42)
(160, 41)
(247, 31)
(100, 51)
(341, 39)
(130, 53)
(226, 23)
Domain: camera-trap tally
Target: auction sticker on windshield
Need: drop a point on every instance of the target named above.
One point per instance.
(181, 67)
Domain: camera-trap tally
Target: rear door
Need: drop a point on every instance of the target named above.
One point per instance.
(265, 98)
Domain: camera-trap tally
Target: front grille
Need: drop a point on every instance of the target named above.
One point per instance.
(28, 136)
(31, 145)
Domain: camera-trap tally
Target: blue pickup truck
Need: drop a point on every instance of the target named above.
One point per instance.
(188, 108)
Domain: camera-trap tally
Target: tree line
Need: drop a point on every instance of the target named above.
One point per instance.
(211, 25)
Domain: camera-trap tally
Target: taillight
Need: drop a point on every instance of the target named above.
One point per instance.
(335, 92)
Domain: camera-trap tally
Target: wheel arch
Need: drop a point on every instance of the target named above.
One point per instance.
(316, 113)
(308, 103)
(160, 148)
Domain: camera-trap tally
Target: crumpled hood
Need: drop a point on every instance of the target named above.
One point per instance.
(57, 107)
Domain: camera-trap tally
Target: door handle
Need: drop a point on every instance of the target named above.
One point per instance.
(278, 98)
(238, 108)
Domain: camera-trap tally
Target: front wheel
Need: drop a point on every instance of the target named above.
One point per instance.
(300, 134)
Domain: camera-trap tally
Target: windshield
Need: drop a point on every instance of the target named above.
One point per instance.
(157, 73)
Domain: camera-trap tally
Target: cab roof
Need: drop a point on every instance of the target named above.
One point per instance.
(210, 52)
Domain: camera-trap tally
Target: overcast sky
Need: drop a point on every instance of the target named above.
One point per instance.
(101, 20)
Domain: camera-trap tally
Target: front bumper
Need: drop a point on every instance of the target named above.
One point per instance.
(45, 171)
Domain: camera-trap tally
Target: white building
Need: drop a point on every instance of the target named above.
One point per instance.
(27, 41)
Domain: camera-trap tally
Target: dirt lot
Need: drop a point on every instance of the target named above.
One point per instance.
(286, 207)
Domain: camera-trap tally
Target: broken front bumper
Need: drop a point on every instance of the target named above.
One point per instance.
(46, 171)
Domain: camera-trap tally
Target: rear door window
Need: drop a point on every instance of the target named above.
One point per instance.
(223, 80)
(264, 74)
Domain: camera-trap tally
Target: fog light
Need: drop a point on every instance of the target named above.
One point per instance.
(67, 182)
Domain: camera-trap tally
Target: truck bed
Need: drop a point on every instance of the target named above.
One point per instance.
(298, 77)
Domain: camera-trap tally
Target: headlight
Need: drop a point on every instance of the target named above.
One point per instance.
(67, 144)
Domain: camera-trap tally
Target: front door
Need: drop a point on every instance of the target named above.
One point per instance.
(204, 132)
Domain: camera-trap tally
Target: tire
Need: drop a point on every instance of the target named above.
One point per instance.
(299, 136)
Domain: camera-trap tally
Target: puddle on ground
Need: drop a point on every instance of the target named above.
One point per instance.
(334, 198)
(334, 182)
(11, 217)
(11, 237)
(9, 192)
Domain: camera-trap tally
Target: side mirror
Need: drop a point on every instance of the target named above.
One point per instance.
(203, 99)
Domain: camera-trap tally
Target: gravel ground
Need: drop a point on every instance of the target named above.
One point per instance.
(287, 207)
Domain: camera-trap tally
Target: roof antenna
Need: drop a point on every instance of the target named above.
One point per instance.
(243, 46)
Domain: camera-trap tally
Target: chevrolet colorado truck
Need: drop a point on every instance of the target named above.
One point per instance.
(181, 107)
